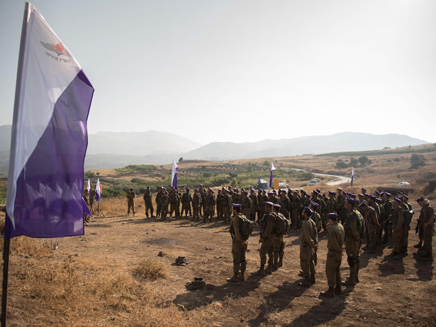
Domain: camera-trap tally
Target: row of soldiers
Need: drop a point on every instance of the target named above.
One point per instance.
(348, 228)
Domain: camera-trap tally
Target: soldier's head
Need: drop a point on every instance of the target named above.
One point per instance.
(187, 189)
(236, 208)
(244, 193)
(313, 205)
(332, 194)
(276, 207)
(363, 206)
(371, 199)
(307, 212)
(131, 190)
(421, 201)
(268, 206)
(350, 203)
(332, 217)
(397, 202)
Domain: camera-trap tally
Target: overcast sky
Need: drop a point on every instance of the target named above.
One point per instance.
(244, 70)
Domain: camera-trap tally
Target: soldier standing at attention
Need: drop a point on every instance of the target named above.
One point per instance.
(130, 201)
(239, 245)
(285, 204)
(209, 208)
(246, 204)
(196, 204)
(372, 225)
(219, 204)
(261, 199)
(308, 245)
(159, 197)
(148, 202)
(354, 227)
(267, 236)
(279, 243)
(253, 199)
(186, 202)
(335, 241)
(227, 204)
(398, 224)
(426, 224)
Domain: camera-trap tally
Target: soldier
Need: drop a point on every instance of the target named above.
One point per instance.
(165, 201)
(426, 224)
(309, 240)
(86, 198)
(186, 202)
(340, 205)
(398, 224)
(209, 208)
(202, 193)
(219, 204)
(387, 206)
(267, 236)
(131, 201)
(261, 199)
(253, 199)
(92, 200)
(239, 245)
(227, 204)
(196, 204)
(279, 243)
(148, 202)
(159, 202)
(354, 227)
(285, 204)
(174, 202)
(335, 241)
(296, 205)
(272, 198)
(372, 225)
(315, 216)
(246, 204)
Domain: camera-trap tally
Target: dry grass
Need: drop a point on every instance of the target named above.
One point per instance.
(150, 268)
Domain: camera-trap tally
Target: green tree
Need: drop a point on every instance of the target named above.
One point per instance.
(180, 159)
(364, 161)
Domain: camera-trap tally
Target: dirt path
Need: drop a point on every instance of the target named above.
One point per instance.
(391, 292)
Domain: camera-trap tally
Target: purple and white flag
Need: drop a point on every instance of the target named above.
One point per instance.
(271, 175)
(89, 187)
(352, 175)
(49, 137)
(174, 174)
(97, 190)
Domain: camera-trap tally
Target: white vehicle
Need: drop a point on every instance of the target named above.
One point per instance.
(403, 184)
(314, 181)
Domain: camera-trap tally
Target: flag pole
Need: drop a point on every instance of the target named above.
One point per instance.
(7, 241)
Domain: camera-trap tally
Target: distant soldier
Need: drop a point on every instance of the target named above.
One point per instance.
(246, 204)
(239, 245)
(131, 201)
(354, 227)
(308, 245)
(159, 197)
(285, 204)
(174, 202)
(340, 205)
(219, 204)
(209, 208)
(426, 224)
(335, 241)
(279, 243)
(261, 199)
(315, 216)
(371, 222)
(196, 204)
(387, 227)
(165, 201)
(186, 202)
(398, 224)
(148, 202)
(296, 205)
(267, 236)
(227, 204)
(253, 199)
(92, 199)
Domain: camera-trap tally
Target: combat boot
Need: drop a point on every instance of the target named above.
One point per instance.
(338, 290)
(329, 293)
(269, 269)
(305, 282)
(312, 279)
(243, 267)
(356, 277)
(233, 279)
(261, 271)
(274, 266)
(419, 245)
(280, 263)
(351, 281)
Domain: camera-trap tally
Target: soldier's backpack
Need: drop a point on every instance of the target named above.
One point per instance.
(281, 225)
(246, 227)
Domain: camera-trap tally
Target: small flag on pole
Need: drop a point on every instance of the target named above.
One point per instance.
(271, 175)
(49, 136)
(97, 190)
(174, 174)
(89, 187)
(352, 175)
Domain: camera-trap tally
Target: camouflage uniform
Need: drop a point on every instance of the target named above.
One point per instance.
(335, 241)
(239, 247)
(130, 201)
(186, 203)
(267, 240)
(246, 205)
(209, 207)
(148, 202)
(253, 199)
(196, 204)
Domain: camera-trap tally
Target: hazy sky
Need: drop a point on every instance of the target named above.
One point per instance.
(244, 70)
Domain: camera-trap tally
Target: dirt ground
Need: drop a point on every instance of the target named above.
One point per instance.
(391, 292)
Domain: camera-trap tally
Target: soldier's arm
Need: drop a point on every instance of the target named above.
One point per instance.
(430, 212)
(353, 226)
(305, 234)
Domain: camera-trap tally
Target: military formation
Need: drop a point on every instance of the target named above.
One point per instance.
(348, 220)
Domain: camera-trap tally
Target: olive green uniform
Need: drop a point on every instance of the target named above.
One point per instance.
(148, 203)
(372, 226)
(397, 218)
(353, 241)
(267, 236)
(239, 247)
(131, 202)
(335, 241)
(427, 212)
(308, 238)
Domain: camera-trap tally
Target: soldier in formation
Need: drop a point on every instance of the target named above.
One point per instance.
(130, 201)
(148, 196)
